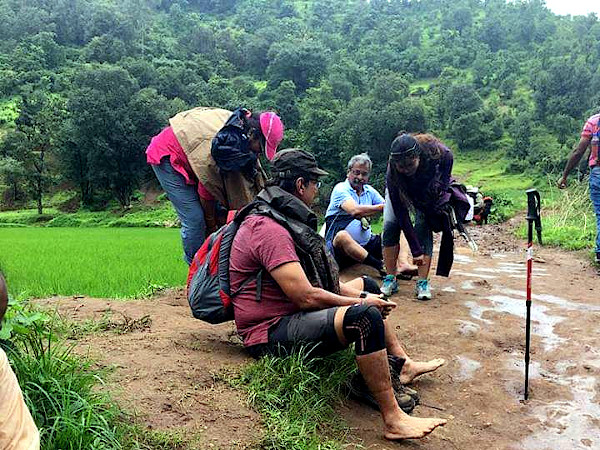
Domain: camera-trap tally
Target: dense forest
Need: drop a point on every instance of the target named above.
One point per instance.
(84, 84)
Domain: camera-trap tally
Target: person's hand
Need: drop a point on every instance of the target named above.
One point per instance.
(419, 260)
(385, 306)
(562, 183)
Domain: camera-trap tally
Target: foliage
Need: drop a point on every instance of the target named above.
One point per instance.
(487, 75)
(297, 395)
(567, 217)
(139, 216)
(59, 389)
(21, 321)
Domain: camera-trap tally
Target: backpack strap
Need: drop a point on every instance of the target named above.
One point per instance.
(258, 277)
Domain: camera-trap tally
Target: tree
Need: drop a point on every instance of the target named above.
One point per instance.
(36, 135)
(111, 122)
(302, 62)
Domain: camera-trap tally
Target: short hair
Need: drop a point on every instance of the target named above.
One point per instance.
(3, 298)
(362, 158)
(288, 184)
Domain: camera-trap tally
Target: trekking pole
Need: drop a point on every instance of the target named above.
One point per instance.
(533, 216)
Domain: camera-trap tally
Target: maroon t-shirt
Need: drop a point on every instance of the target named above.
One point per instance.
(259, 243)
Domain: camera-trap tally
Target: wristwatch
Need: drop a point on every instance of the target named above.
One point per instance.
(363, 294)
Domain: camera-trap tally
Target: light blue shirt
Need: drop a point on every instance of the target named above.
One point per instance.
(342, 192)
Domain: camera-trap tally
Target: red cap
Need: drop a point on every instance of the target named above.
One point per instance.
(272, 129)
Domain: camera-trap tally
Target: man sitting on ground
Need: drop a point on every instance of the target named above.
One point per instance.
(352, 203)
(17, 429)
(298, 298)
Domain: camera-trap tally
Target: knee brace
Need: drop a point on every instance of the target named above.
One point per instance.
(370, 285)
(363, 325)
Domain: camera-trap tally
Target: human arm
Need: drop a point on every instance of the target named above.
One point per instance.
(359, 211)
(293, 282)
(574, 159)
(446, 163)
(209, 207)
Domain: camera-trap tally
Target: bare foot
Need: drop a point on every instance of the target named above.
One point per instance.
(412, 427)
(412, 369)
(406, 268)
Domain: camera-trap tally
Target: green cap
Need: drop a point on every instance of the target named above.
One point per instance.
(292, 162)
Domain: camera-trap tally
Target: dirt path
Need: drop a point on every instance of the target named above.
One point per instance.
(166, 372)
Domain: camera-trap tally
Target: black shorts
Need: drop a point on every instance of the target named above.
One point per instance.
(373, 247)
(314, 329)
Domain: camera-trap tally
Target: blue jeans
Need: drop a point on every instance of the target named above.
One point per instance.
(186, 201)
(595, 196)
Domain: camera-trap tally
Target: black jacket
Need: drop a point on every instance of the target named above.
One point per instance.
(231, 146)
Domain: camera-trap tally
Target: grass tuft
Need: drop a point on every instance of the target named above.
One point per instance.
(296, 396)
(59, 389)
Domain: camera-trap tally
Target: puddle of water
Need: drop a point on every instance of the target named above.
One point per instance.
(467, 368)
(542, 323)
(449, 289)
(467, 328)
(552, 299)
(462, 259)
(487, 269)
(568, 424)
(473, 275)
(467, 285)
(512, 264)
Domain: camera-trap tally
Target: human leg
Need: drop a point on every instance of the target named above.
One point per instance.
(425, 236)
(411, 368)
(595, 196)
(375, 370)
(390, 240)
(364, 325)
(349, 246)
(390, 237)
(364, 283)
(405, 268)
(186, 202)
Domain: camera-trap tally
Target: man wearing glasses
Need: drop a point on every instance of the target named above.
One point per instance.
(353, 202)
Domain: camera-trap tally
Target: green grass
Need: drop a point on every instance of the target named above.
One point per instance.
(99, 262)
(568, 219)
(487, 170)
(58, 388)
(164, 216)
(296, 396)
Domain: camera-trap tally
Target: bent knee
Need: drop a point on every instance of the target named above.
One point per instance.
(342, 238)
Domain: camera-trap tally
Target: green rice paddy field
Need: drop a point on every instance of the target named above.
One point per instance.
(98, 262)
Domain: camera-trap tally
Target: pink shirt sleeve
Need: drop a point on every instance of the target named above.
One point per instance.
(588, 128)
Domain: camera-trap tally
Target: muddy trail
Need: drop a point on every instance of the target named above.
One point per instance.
(168, 367)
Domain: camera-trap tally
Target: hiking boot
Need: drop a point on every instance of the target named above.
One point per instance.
(361, 393)
(597, 258)
(422, 290)
(389, 286)
(396, 364)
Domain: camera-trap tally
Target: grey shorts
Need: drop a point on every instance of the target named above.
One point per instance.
(314, 329)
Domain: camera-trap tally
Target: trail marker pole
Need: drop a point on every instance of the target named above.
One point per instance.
(533, 216)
